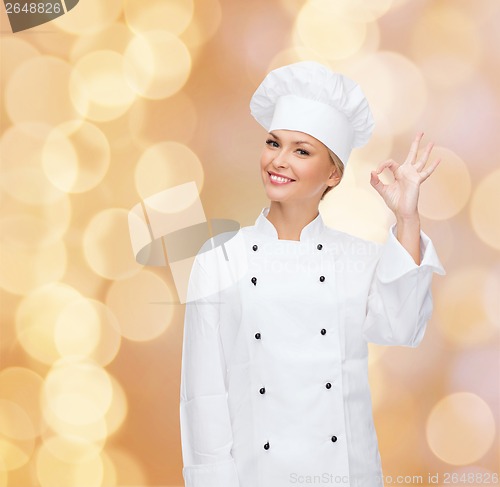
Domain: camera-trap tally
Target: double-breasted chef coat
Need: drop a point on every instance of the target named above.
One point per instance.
(274, 377)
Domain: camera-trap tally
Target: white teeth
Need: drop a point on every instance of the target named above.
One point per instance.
(279, 179)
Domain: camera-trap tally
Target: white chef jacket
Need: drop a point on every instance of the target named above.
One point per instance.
(274, 377)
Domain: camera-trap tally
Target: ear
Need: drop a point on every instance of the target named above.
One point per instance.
(334, 178)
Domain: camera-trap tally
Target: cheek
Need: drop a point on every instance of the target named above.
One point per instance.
(314, 174)
(265, 158)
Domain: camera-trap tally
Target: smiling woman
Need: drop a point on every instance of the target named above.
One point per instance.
(274, 381)
(303, 147)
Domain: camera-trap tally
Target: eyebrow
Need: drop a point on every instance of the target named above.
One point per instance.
(296, 142)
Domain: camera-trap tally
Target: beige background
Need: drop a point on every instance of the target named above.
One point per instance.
(117, 101)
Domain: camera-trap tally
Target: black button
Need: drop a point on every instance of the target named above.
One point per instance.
(266, 446)
(257, 335)
(334, 439)
(262, 390)
(321, 278)
(328, 385)
(254, 280)
(319, 247)
(323, 331)
(255, 247)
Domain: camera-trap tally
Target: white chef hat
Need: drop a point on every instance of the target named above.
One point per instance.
(309, 97)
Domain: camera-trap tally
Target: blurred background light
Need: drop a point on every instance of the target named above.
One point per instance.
(460, 428)
(22, 175)
(114, 104)
(463, 318)
(326, 28)
(98, 87)
(40, 74)
(436, 55)
(485, 210)
(173, 16)
(90, 18)
(143, 304)
(80, 472)
(146, 69)
(36, 317)
(76, 156)
(103, 241)
(440, 200)
(165, 165)
(77, 391)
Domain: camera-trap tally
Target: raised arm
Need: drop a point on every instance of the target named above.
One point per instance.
(401, 196)
(400, 299)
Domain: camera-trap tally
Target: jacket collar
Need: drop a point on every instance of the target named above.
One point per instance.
(310, 232)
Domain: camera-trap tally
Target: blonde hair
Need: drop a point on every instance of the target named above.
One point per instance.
(339, 169)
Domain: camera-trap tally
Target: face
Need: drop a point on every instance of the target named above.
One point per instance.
(303, 162)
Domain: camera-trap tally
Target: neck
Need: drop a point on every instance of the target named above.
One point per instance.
(289, 220)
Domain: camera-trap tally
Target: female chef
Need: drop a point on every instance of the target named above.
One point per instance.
(274, 380)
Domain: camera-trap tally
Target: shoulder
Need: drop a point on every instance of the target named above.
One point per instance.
(223, 250)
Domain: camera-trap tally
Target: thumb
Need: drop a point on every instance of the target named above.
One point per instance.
(376, 183)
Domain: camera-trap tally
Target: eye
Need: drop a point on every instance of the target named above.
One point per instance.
(302, 152)
(272, 143)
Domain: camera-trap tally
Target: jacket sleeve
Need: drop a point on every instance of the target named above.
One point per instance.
(205, 425)
(400, 299)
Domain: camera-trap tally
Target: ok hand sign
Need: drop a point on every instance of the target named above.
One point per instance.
(401, 196)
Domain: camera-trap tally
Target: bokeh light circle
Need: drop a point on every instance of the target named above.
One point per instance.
(23, 387)
(41, 74)
(114, 38)
(77, 330)
(128, 469)
(23, 269)
(205, 23)
(173, 16)
(32, 226)
(395, 87)
(72, 449)
(15, 51)
(460, 428)
(118, 409)
(51, 470)
(461, 307)
(21, 172)
(143, 304)
(16, 435)
(76, 156)
(94, 432)
(77, 391)
(98, 87)
(150, 120)
(157, 64)
(357, 10)
(322, 27)
(439, 199)
(14, 422)
(485, 210)
(36, 317)
(165, 165)
(106, 245)
(89, 17)
(438, 57)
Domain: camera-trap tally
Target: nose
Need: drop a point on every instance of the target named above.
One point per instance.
(280, 159)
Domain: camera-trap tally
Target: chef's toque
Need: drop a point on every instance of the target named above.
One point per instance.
(308, 97)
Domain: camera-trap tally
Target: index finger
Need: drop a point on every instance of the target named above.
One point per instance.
(412, 155)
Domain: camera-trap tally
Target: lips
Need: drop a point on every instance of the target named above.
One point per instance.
(279, 178)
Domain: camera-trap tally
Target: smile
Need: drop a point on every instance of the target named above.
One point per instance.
(279, 179)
